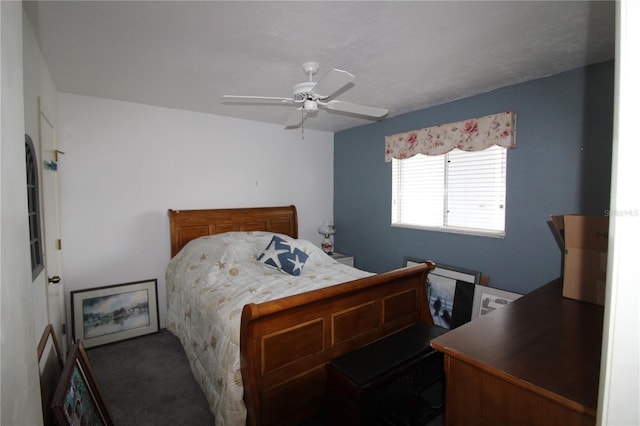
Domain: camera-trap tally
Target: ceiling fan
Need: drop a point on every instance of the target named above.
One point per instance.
(311, 95)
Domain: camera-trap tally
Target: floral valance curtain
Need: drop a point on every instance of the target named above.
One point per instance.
(475, 134)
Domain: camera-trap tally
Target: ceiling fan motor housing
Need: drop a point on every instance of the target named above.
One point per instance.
(304, 91)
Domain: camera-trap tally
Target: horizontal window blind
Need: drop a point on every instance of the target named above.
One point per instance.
(460, 191)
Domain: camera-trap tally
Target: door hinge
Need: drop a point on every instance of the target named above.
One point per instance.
(59, 244)
(64, 329)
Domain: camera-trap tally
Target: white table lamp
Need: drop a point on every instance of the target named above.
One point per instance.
(327, 230)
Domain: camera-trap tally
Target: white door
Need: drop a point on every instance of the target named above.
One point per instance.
(50, 167)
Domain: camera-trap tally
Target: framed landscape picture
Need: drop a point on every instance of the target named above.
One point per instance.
(116, 312)
(78, 399)
(488, 299)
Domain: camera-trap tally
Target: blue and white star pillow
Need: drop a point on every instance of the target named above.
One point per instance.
(284, 255)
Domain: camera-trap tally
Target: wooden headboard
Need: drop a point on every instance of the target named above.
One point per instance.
(187, 225)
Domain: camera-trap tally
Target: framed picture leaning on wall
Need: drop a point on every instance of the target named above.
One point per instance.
(450, 293)
(488, 299)
(108, 314)
(51, 364)
(78, 399)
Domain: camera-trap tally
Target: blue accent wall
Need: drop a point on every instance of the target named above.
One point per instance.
(561, 165)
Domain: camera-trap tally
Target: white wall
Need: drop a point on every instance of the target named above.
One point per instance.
(38, 83)
(620, 366)
(125, 164)
(19, 383)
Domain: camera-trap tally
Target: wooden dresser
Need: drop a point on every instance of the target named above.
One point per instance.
(535, 361)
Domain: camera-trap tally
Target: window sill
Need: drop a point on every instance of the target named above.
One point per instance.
(463, 231)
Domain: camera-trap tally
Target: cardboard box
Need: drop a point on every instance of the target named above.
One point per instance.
(585, 241)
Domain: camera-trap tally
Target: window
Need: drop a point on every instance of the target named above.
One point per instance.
(461, 192)
(33, 200)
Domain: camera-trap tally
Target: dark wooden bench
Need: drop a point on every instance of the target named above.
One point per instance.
(395, 380)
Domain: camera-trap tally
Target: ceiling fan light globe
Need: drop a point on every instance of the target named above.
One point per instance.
(310, 106)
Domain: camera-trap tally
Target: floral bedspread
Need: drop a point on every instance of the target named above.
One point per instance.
(208, 283)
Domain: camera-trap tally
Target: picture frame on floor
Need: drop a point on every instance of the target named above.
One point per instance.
(450, 293)
(116, 312)
(488, 299)
(78, 399)
(50, 364)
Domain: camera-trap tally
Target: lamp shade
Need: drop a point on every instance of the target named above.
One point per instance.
(327, 229)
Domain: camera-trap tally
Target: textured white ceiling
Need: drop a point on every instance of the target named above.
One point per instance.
(406, 55)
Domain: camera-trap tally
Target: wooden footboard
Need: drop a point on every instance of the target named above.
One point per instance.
(286, 343)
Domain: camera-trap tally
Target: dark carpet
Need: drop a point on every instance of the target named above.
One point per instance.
(147, 381)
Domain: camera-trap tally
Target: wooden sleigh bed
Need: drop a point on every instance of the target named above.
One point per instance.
(286, 343)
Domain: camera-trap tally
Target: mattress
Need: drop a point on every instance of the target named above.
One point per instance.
(208, 283)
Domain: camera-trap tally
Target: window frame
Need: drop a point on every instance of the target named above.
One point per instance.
(36, 243)
(486, 232)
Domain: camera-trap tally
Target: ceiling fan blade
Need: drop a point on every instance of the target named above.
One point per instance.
(264, 99)
(332, 82)
(295, 119)
(348, 107)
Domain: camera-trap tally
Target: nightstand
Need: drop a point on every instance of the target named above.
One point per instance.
(345, 259)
